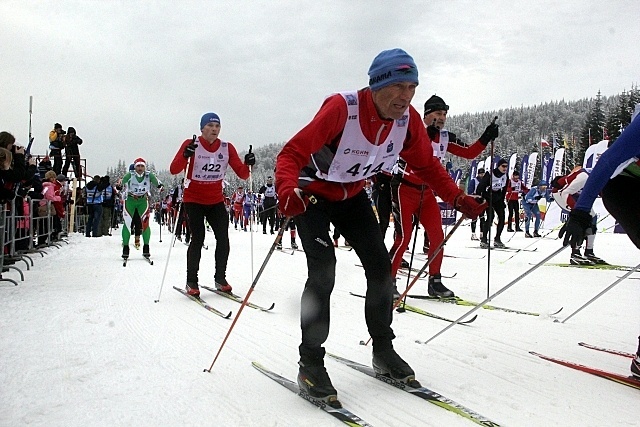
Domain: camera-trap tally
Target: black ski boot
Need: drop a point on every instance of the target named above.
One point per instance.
(497, 243)
(437, 289)
(125, 251)
(635, 367)
(578, 259)
(314, 380)
(588, 254)
(145, 251)
(390, 364)
(294, 245)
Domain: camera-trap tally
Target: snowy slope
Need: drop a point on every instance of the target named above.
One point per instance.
(83, 342)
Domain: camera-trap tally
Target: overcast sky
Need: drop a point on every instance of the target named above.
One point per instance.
(134, 77)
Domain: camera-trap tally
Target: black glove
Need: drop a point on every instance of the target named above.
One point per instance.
(190, 150)
(453, 137)
(538, 197)
(249, 159)
(490, 133)
(575, 230)
(432, 131)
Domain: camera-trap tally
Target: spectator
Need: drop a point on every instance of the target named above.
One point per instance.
(72, 153)
(109, 195)
(44, 166)
(56, 143)
(93, 199)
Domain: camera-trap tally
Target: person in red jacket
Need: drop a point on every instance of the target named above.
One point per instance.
(320, 174)
(412, 197)
(206, 160)
(515, 190)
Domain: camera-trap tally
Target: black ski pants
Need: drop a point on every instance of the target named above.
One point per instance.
(381, 196)
(357, 223)
(514, 213)
(619, 200)
(498, 207)
(216, 216)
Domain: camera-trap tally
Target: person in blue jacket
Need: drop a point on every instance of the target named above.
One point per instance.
(616, 177)
(532, 209)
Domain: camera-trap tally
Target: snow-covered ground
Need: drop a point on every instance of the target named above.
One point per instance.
(84, 344)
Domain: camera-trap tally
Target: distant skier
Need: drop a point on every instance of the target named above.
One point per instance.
(136, 186)
(493, 187)
(268, 205)
(532, 209)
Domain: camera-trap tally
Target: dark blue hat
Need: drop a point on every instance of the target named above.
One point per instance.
(208, 118)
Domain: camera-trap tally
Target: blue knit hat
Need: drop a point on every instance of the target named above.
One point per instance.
(208, 118)
(392, 66)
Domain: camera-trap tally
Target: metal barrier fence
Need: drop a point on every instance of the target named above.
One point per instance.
(27, 228)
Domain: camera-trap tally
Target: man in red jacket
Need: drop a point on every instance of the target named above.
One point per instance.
(320, 175)
(206, 159)
(515, 190)
(412, 197)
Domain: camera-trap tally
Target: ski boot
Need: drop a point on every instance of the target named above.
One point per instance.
(635, 367)
(484, 244)
(578, 259)
(279, 245)
(510, 230)
(314, 380)
(404, 263)
(435, 287)
(145, 251)
(223, 287)
(536, 234)
(497, 243)
(396, 293)
(125, 251)
(588, 254)
(193, 289)
(474, 236)
(294, 245)
(528, 235)
(388, 363)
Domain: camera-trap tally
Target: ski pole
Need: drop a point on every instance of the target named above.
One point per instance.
(629, 273)
(166, 265)
(251, 212)
(504, 288)
(423, 269)
(250, 291)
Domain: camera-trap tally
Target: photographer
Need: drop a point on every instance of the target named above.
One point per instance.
(56, 144)
(72, 152)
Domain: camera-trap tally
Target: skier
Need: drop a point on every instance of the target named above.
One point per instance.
(473, 184)
(291, 226)
(493, 186)
(566, 190)
(207, 159)
(135, 187)
(268, 205)
(532, 209)
(616, 174)
(413, 198)
(238, 200)
(353, 136)
(515, 189)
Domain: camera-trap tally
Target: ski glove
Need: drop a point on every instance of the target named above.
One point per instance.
(576, 228)
(470, 206)
(190, 150)
(490, 133)
(249, 159)
(292, 201)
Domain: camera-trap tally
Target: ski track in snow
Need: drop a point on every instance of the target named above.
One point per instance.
(83, 342)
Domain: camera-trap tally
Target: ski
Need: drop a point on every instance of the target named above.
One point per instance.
(285, 251)
(607, 350)
(149, 260)
(237, 298)
(403, 271)
(126, 260)
(425, 255)
(622, 379)
(417, 310)
(463, 302)
(344, 248)
(421, 392)
(343, 414)
(203, 303)
(593, 266)
(506, 248)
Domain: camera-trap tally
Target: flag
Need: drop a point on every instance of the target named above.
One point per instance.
(605, 135)
(555, 142)
(544, 143)
(566, 145)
